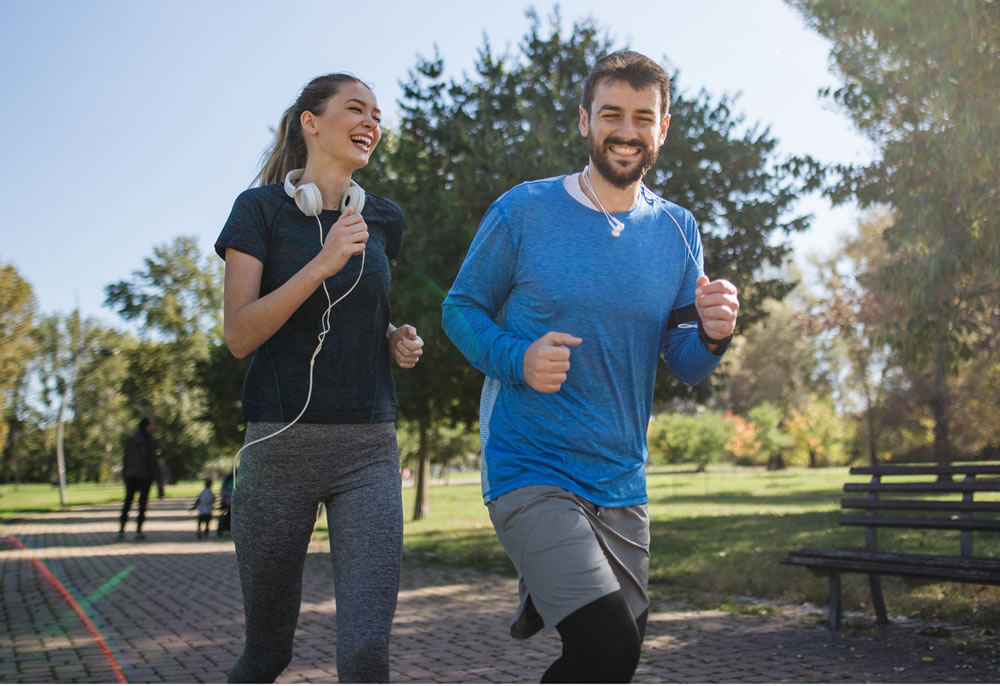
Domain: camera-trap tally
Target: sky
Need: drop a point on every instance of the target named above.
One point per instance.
(127, 124)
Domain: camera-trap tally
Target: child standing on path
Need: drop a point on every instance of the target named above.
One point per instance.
(205, 504)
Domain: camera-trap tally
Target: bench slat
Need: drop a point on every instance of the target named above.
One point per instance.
(929, 505)
(902, 565)
(921, 559)
(927, 487)
(923, 523)
(928, 469)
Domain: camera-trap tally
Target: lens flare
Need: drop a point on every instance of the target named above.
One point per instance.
(68, 597)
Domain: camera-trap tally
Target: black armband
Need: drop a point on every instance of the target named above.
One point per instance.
(708, 340)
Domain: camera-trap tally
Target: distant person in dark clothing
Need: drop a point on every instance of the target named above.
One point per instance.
(139, 470)
(226, 503)
(162, 478)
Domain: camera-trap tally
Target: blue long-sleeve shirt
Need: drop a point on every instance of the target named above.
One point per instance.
(541, 261)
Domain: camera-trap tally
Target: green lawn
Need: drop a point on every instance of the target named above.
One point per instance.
(720, 533)
(714, 535)
(16, 500)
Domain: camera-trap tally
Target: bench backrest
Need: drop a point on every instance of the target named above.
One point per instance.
(909, 504)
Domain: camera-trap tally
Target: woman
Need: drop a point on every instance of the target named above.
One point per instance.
(318, 398)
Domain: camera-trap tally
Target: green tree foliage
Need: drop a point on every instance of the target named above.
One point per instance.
(854, 311)
(177, 295)
(674, 437)
(767, 421)
(775, 361)
(177, 301)
(74, 367)
(922, 84)
(463, 143)
(17, 311)
(818, 436)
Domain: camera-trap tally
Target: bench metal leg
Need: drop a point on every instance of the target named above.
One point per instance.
(834, 601)
(878, 600)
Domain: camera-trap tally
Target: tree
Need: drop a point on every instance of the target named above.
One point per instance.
(777, 361)
(81, 393)
(177, 301)
(922, 86)
(766, 419)
(856, 309)
(17, 310)
(461, 144)
(700, 438)
(743, 443)
(816, 433)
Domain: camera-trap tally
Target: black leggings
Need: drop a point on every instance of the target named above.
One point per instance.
(601, 643)
(133, 486)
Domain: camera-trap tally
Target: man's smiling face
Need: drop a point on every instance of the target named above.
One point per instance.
(624, 131)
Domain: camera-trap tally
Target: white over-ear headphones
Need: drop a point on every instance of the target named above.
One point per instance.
(310, 200)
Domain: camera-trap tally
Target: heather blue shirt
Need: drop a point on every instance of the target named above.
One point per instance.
(541, 262)
(352, 379)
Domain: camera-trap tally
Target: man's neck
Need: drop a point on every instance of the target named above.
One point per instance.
(613, 198)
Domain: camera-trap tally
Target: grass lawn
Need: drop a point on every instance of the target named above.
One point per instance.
(720, 533)
(714, 535)
(16, 500)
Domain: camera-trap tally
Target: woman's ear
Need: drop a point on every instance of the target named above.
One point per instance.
(308, 122)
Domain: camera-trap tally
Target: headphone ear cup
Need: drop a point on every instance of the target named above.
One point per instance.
(354, 197)
(309, 199)
(307, 196)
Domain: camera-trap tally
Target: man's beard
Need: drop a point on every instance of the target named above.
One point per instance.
(611, 171)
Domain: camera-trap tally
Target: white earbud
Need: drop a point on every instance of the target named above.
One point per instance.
(617, 225)
(308, 198)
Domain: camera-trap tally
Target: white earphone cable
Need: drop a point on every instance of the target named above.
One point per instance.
(324, 330)
(616, 224)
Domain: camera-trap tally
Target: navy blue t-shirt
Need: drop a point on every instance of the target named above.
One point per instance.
(352, 379)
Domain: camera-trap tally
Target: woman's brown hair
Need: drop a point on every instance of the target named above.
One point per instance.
(288, 151)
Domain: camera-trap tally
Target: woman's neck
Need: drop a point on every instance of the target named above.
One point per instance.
(331, 181)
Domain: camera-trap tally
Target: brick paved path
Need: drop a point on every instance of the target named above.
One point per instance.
(168, 609)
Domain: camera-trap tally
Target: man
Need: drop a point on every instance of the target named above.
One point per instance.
(139, 470)
(591, 266)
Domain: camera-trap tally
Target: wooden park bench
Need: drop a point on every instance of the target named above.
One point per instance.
(885, 502)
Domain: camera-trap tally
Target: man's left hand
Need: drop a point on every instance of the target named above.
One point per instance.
(718, 303)
(406, 346)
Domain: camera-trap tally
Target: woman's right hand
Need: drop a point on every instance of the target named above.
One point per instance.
(347, 238)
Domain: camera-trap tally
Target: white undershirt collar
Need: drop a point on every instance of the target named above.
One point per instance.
(571, 183)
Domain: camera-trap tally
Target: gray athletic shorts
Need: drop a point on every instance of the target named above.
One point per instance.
(569, 552)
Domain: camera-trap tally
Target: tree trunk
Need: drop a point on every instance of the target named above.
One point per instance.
(812, 459)
(421, 505)
(940, 402)
(870, 424)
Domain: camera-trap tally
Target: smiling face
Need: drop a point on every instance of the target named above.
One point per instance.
(624, 131)
(347, 129)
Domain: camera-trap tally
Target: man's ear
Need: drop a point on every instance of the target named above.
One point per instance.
(664, 125)
(584, 122)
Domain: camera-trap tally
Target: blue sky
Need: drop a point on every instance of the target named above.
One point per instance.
(126, 124)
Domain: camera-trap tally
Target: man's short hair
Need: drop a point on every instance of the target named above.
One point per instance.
(629, 67)
(144, 422)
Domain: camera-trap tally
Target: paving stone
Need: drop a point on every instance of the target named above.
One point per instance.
(170, 610)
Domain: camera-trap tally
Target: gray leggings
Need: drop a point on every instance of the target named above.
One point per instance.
(354, 470)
